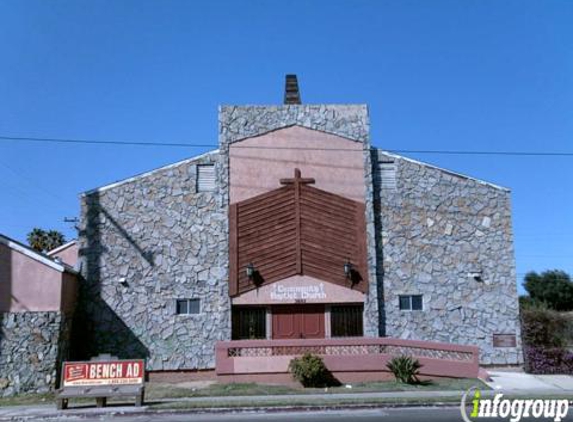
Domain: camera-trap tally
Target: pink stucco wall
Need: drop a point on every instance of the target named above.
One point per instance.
(69, 254)
(352, 356)
(257, 164)
(29, 285)
(271, 294)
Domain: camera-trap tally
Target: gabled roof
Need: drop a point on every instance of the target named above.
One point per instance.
(147, 173)
(61, 248)
(450, 172)
(37, 256)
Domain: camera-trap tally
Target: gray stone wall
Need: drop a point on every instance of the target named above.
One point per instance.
(240, 122)
(349, 121)
(144, 243)
(435, 228)
(32, 345)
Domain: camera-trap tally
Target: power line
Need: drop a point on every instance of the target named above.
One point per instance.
(201, 145)
(96, 142)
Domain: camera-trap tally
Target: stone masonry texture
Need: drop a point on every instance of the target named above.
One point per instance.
(144, 243)
(348, 121)
(32, 344)
(435, 228)
(150, 240)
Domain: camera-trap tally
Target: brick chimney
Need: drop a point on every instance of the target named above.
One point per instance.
(292, 94)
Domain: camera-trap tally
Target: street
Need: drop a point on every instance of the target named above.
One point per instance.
(426, 414)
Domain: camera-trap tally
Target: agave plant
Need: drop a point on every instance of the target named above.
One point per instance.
(405, 369)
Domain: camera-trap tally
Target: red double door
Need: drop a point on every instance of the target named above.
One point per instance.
(298, 321)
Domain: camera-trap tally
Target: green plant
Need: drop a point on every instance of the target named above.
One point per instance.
(405, 369)
(311, 371)
(45, 240)
(546, 336)
(544, 327)
(553, 288)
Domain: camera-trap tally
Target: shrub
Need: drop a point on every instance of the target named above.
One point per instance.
(556, 360)
(311, 371)
(545, 335)
(544, 328)
(405, 369)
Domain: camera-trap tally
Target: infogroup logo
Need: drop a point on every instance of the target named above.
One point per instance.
(512, 409)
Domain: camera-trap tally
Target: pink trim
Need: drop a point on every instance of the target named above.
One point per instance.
(268, 357)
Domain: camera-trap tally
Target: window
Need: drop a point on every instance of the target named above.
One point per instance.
(205, 178)
(387, 175)
(188, 306)
(411, 303)
(346, 321)
(249, 323)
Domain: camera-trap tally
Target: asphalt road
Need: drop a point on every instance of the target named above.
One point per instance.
(426, 414)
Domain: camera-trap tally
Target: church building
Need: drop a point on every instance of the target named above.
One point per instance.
(296, 230)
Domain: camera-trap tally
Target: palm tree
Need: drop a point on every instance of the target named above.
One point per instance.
(43, 241)
(54, 239)
(37, 239)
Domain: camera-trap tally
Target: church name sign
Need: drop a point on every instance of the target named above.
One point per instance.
(280, 292)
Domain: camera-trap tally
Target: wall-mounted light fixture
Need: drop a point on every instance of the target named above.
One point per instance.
(476, 275)
(347, 269)
(250, 270)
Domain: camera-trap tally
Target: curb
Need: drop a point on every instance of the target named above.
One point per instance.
(226, 410)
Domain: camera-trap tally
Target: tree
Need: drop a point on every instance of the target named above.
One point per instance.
(553, 288)
(54, 239)
(43, 241)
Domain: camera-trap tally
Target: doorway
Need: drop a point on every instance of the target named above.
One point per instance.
(297, 321)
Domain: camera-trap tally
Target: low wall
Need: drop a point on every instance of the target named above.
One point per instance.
(32, 344)
(350, 360)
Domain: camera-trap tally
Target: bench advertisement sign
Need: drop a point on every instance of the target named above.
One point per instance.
(92, 373)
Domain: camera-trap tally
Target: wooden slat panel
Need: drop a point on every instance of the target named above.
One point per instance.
(315, 213)
(314, 223)
(233, 251)
(298, 229)
(267, 221)
(266, 232)
(280, 243)
(344, 206)
(282, 210)
(343, 248)
(337, 257)
(330, 199)
(262, 198)
(255, 210)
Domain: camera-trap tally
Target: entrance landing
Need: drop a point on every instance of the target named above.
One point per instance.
(349, 359)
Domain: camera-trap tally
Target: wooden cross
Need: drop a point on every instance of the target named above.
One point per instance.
(298, 181)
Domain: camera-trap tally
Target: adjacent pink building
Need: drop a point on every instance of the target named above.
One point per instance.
(37, 298)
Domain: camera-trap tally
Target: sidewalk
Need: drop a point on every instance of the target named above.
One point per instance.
(260, 403)
(522, 382)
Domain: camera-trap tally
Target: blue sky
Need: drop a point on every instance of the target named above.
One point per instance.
(441, 75)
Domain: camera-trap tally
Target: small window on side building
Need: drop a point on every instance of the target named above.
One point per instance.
(188, 306)
(411, 303)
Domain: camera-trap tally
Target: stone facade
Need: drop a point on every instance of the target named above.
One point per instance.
(32, 345)
(150, 240)
(435, 228)
(240, 122)
(349, 121)
(145, 243)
